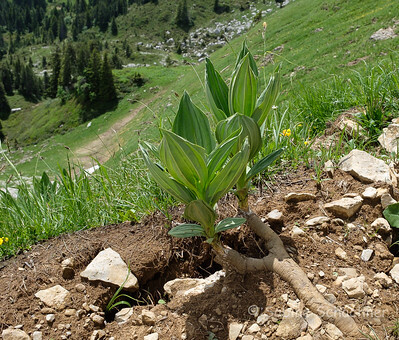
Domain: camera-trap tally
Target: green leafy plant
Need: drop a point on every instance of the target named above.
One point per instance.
(391, 213)
(238, 106)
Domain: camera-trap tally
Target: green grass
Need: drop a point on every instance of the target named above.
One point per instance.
(318, 84)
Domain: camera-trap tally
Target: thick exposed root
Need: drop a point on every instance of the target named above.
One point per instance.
(281, 263)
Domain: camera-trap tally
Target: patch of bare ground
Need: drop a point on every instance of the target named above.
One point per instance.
(155, 258)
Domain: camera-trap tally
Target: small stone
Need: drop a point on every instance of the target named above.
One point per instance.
(317, 221)
(98, 334)
(334, 332)
(355, 287)
(234, 330)
(36, 335)
(366, 254)
(14, 334)
(369, 193)
(294, 197)
(329, 168)
(152, 336)
(330, 298)
(148, 318)
(321, 274)
(262, 319)
(47, 310)
(395, 273)
(291, 325)
(295, 305)
(80, 287)
(386, 199)
(383, 279)
(345, 207)
(310, 276)
(55, 297)
(203, 321)
(284, 297)
(381, 225)
(94, 308)
(86, 307)
(322, 289)
(247, 337)
(275, 216)
(123, 315)
(70, 312)
(382, 191)
(98, 320)
(297, 231)
(254, 328)
(313, 320)
(50, 318)
(341, 254)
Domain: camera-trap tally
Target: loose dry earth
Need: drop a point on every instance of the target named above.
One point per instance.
(155, 258)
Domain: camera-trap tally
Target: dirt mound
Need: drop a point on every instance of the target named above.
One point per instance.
(155, 258)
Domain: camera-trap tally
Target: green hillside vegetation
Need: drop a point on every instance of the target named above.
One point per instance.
(328, 64)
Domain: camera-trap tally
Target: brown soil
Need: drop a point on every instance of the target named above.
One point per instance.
(155, 258)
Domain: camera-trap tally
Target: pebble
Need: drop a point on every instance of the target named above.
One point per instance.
(254, 328)
(341, 254)
(50, 318)
(366, 254)
(321, 273)
(369, 193)
(262, 319)
(296, 231)
(152, 336)
(234, 330)
(98, 320)
(36, 335)
(80, 287)
(70, 312)
(322, 289)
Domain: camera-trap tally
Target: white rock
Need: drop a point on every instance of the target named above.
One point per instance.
(98, 334)
(254, 328)
(123, 315)
(334, 332)
(381, 225)
(386, 199)
(351, 127)
(55, 297)
(50, 318)
(321, 274)
(291, 326)
(109, 268)
(296, 231)
(395, 273)
(383, 279)
(234, 330)
(247, 337)
(299, 197)
(295, 305)
(36, 335)
(382, 191)
(366, 254)
(329, 168)
(317, 221)
(354, 287)
(275, 216)
(14, 334)
(284, 297)
(152, 336)
(341, 254)
(192, 287)
(330, 298)
(384, 34)
(369, 193)
(322, 289)
(313, 320)
(365, 167)
(345, 207)
(262, 319)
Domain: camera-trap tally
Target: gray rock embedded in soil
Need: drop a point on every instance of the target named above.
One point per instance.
(291, 326)
(55, 297)
(294, 197)
(386, 199)
(334, 332)
(384, 34)
(123, 315)
(313, 320)
(317, 221)
(369, 193)
(381, 225)
(365, 167)
(109, 268)
(355, 287)
(389, 138)
(14, 334)
(395, 273)
(345, 207)
(235, 330)
(341, 254)
(366, 254)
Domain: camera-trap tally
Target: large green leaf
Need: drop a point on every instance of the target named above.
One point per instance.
(167, 183)
(229, 223)
(244, 51)
(219, 156)
(228, 176)
(243, 89)
(391, 213)
(192, 124)
(264, 163)
(184, 160)
(267, 99)
(187, 230)
(201, 212)
(249, 130)
(217, 92)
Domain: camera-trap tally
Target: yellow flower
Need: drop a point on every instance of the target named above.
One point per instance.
(306, 142)
(1, 241)
(264, 25)
(5, 239)
(299, 125)
(286, 132)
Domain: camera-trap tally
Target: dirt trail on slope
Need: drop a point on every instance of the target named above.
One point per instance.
(107, 143)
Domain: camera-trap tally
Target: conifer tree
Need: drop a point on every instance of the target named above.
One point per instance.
(7, 78)
(92, 74)
(107, 86)
(56, 69)
(5, 109)
(114, 27)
